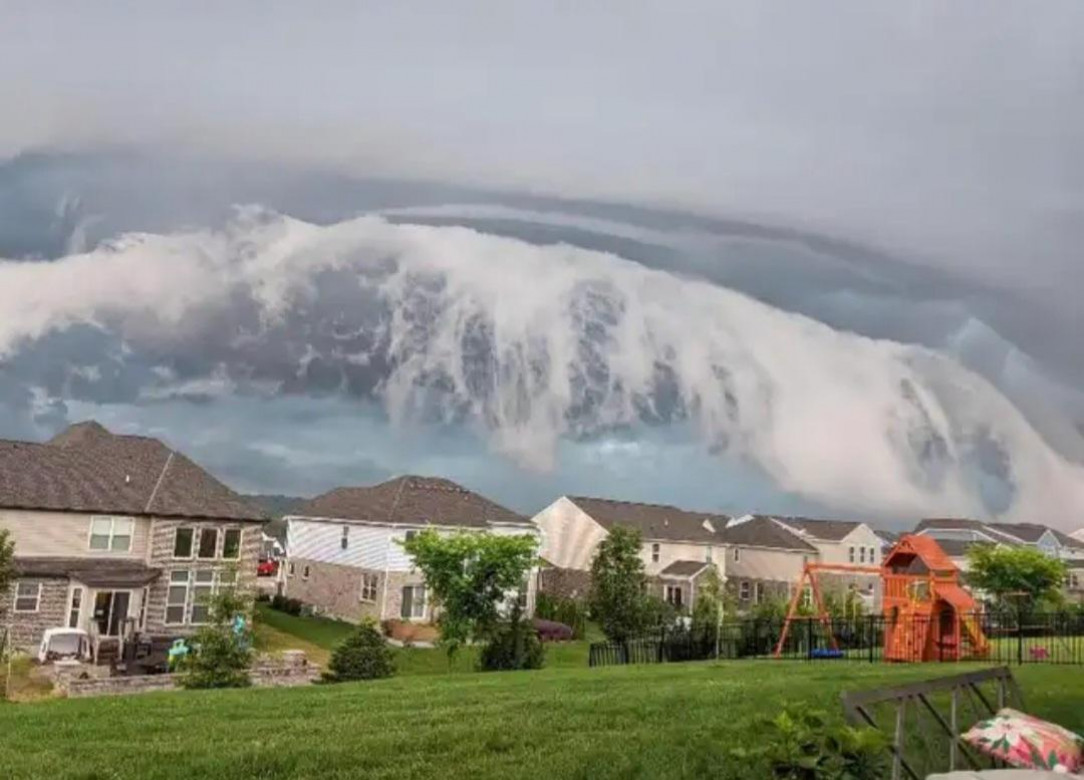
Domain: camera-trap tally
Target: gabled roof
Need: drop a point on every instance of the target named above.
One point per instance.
(824, 530)
(924, 547)
(654, 521)
(88, 469)
(411, 500)
(764, 531)
(684, 569)
(967, 524)
(1012, 533)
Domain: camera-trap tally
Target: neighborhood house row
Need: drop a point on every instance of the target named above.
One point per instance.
(117, 534)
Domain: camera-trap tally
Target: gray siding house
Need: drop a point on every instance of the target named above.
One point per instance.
(117, 533)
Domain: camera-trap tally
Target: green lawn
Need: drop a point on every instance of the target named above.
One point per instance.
(318, 637)
(669, 721)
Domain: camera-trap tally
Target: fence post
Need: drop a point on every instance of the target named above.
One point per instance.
(809, 639)
(872, 635)
(1019, 639)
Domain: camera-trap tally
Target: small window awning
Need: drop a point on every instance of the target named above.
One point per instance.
(102, 573)
(684, 570)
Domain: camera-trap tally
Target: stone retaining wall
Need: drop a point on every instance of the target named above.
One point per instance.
(75, 682)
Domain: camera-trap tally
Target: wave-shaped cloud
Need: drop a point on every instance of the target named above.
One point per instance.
(535, 344)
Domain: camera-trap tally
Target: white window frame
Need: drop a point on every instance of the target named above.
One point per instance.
(174, 583)
(75, 609)
(198, 588)
(240, 542)
(850, 554)
(199, 543)
(708, 554)
(369, 582)
(656, 552)
(862, 555)
(744, 590)
(669, 592)
(758, 592)
(23, 597)
(414, 603)
(111, 535)
(192, 546)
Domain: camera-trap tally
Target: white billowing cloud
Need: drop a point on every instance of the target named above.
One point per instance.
(536, 344)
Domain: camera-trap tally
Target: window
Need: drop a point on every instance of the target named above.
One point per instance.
(758, 593)
(707, 554)
(290, 569)
(177, 598)
(410, 535)
(208, 542)
(368, 588)
(27, 596)
(873, 555)
(674, 595)
(113, 534)
(344, 542)
(231, 544)
(1074, 580)
(413, 607)
(202, 590)
(305, 573)
(861, 554)
(144, 597)
(850, 554)
(182, 542)
(743, 590)
(655, 550)
(737, 555)
(76, 606)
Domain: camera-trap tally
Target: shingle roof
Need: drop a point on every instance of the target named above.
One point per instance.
(828, 530)
(764, 531)
(88, 469)
(925, 547)
(684, 569)
(1027, 533)
(411, 500)
(100, 573)
(956, 548)
(654, 521)
(967, 524)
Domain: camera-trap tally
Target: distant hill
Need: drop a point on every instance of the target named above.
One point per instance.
(277, 507)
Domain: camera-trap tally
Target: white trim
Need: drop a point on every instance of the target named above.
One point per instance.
(112, 533)
(365, 580)
(37, 599)
(527, 526)
(240, 543)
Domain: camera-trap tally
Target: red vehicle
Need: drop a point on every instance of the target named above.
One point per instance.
(267, 568)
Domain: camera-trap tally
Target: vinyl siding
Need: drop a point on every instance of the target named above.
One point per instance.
(65, 534)
(839, 552)
(678, 551)
(569, 535)
(764, 564)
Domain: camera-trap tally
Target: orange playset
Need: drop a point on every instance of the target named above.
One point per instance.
(927, 614)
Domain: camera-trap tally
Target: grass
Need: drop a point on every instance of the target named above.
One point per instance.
(276, 631)
(25, 683)
(670, 721)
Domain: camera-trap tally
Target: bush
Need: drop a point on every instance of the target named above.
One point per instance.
(571, 612)
(221, 651)
(513, 645)
(364, 655)
(288, 605)
(801, 744)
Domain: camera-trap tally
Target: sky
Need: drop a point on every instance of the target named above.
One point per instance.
(736, 256)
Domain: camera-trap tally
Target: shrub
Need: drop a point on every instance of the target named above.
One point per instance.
(364, 655)
(222, 650)
(285, 604)
(571, 612)
(513, 645)
(801, 744)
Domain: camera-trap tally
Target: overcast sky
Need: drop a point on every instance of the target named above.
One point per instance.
(945, 135)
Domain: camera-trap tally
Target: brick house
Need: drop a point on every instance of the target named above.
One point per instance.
(117, 533)
(344, 554)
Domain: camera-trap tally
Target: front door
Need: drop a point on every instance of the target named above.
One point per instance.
(110, 611)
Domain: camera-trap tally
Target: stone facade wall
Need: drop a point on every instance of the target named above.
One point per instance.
(160, 555)
(27, 627)
(564, 583)
(393, 606)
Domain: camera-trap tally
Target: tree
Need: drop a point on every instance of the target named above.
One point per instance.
(364, 655)
(222, 650)
(514, 645)
(471, 576)
(7, 560)
(1017, 577)
(618, 585)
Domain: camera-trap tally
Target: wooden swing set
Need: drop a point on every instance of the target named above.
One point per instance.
(809, 575)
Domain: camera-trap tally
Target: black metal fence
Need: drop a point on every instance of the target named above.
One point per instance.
(1050, 638)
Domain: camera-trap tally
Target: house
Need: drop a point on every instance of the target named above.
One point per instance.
(115, 533)
(343, 548)
(679, 547)
(958, 535)
(755, 555)
(845, 542)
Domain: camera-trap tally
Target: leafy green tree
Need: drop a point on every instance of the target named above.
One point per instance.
(222, 650)
(714, 604)
(618, 585)
(364, 655)
(7, 560)
(1019, 578)
(471, 576)
(513, 645)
